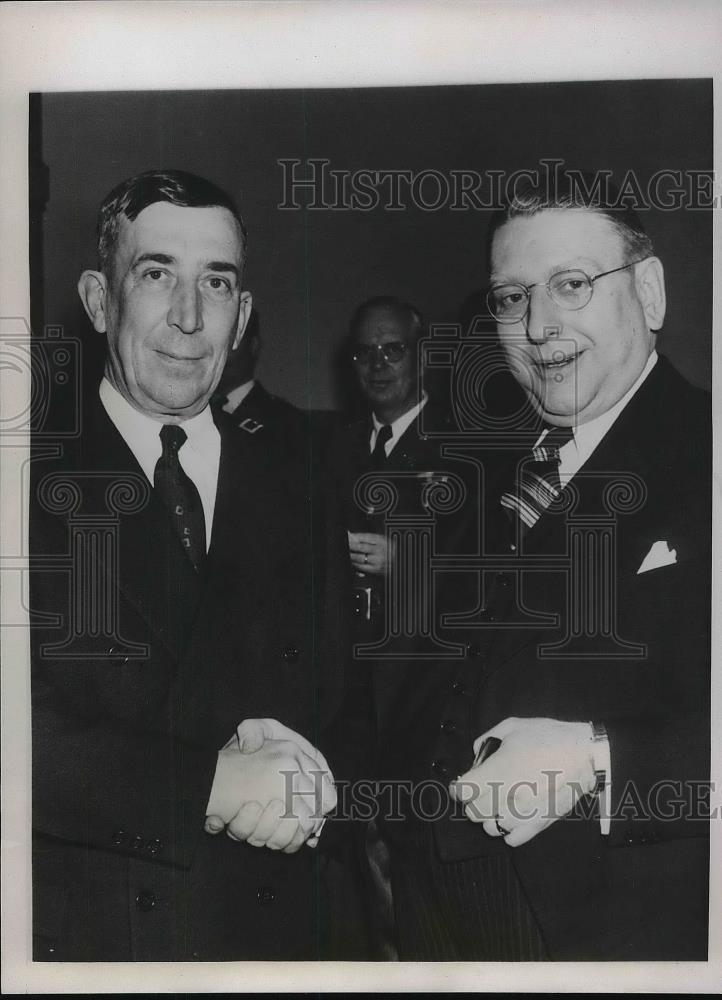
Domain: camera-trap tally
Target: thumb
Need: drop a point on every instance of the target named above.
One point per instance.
(500, 731)
(251, 735)
(214, 824)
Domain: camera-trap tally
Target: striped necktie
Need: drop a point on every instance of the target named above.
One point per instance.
(537, 484)
(179, 495)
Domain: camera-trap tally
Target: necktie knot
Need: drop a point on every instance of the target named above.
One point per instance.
(172, 437)
(557, 437)
(378, 455)
(383, 435)
(537, 484)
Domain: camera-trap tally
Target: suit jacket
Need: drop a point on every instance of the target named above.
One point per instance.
(399, 682)
(416, 451)
(641, 667)
(260, 410)
(142, 669)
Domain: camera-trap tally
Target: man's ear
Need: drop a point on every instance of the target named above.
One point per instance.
(649, 281)
(91, 289)
(244, 314)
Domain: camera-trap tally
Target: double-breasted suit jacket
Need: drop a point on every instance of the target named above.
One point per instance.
(142, 669)
(625, 648)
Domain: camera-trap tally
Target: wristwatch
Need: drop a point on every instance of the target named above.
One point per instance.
(600, 756)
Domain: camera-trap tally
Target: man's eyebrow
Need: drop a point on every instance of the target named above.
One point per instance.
(223, 265)
(155, 257)
(579, 263)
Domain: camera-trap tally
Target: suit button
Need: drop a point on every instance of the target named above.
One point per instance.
(154, 846)
(265, 895)
(44, 947)
(145, 900)
(448, 726)
(458, 688)
(441, 767)
(115, 651)
(119, 837)
(137, 843)
(291, 653)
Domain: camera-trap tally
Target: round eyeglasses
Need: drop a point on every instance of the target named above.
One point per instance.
(392, 352)
(508, 303)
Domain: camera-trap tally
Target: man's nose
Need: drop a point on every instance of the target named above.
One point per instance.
(378, 359)
(542, 318)
(186, 312)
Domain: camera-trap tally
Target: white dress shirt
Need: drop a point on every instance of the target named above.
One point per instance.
(397, 427)
(199, 456)
(575, 453)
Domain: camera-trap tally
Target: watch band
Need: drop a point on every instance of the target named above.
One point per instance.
(599, 737)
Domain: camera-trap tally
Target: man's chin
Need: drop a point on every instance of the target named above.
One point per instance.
(182, 404)
(555, 409)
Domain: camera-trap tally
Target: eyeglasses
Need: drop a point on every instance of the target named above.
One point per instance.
(392, 352)
(569, 289)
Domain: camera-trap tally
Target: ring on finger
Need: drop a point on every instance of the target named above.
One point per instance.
(502, 829)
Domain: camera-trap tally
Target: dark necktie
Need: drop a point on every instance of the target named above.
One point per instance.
(180, 495)
(378, 455)
(538, 484)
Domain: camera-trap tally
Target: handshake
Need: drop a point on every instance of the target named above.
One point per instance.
(272, 788)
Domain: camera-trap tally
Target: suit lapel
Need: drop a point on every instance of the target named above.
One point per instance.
(623, 457)
(241, 541)
(152, 571)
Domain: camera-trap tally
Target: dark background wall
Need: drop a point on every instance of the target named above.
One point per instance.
(308, 269)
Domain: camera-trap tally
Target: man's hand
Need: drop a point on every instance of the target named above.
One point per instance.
(369, 553)
(271, 789)
(539, 772)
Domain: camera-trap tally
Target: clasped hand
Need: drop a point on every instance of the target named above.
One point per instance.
(272, 788)
(536, 776)
(370, 553)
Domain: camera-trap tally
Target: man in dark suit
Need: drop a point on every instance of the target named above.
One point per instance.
(187, 650)
(391, 454)
(578, 722)
(384, 335)
(253, 408)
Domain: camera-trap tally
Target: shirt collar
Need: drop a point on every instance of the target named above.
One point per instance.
(399, 425)
(588, 435)
(142, 433)
(236, 396)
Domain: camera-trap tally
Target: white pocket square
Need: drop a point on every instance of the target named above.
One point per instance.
(659, 555)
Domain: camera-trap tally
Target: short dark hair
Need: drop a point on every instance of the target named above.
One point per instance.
(576, 189)
(136, 193)
(417, 326)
